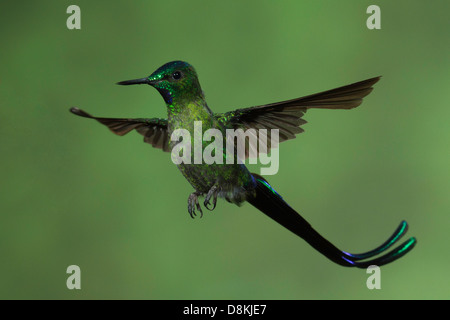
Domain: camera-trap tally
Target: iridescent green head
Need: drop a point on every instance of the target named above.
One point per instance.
(175, 81)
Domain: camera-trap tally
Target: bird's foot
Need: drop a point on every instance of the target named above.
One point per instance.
(193, 204)
(213, 193)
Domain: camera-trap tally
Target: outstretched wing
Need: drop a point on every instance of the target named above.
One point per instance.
(154, 130)
(287, 115)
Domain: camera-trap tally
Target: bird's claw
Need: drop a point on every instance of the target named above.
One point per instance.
(194, 204)
(213, 193)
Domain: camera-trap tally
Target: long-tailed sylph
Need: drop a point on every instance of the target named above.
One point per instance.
(178, 84)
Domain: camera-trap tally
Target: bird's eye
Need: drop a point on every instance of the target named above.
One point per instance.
(176, 75)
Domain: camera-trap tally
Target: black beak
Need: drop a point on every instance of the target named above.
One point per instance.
(135, 81)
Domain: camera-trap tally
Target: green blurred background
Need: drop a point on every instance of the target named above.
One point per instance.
(73, 193)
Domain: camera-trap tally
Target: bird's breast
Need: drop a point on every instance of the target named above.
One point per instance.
(234, 180)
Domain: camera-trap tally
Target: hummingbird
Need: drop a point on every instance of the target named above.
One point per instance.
(178, 84)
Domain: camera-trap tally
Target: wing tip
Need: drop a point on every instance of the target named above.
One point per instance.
(80, 112)
(373, 80)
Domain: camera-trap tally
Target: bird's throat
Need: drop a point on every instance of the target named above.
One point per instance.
(166, 94)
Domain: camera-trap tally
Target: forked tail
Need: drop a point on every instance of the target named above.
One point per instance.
(272, 204)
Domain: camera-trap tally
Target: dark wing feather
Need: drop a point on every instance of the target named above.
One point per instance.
(287, 115)
(154, 130)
